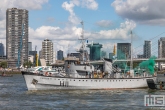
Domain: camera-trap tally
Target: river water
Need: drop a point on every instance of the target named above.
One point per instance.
(14, 96)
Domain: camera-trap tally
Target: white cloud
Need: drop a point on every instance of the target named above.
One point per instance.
(69, 7)
(142, 11)
(60, 37)
(90, 4)
(122, 33)
(50, 20)
(104, 23)
(24, 4)
(66, 39)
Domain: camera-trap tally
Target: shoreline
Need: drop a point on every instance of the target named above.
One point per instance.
(10, 72)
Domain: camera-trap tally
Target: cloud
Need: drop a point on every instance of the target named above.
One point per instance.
(90, 4)
(104, 23)
(122, 33)
(24, 4)
(142, 11)
(60, 37)
(69, 7)
(50, 20)
(55, 33)
(66, 38)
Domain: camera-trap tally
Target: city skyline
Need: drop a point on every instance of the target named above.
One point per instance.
(105, 22)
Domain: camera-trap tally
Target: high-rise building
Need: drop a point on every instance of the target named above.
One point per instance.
(40, 54)
(60, 55)
(1, 49)
(111, 55)
(103, 54)
(33, 53)
(16, 36)
(29, 46)
(161, 51)
(47, 51)
(95, 51)
(123, 50)
(147, 49)
(54, 57)
(161, 45)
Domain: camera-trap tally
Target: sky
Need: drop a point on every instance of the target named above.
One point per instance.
(107, 22)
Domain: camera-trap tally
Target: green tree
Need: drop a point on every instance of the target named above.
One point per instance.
(28, 64)
(39, 62)
(3, 64)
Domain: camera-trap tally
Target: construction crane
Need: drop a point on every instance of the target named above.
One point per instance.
(20, 49)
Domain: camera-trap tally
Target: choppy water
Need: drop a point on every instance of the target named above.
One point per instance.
(14, 96)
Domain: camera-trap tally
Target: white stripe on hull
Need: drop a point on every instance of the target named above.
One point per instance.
(45, 83)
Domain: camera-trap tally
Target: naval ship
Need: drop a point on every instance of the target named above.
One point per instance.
(83, 74)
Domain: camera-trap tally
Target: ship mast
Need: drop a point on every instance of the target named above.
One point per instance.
(131, 62)
(82, 40)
